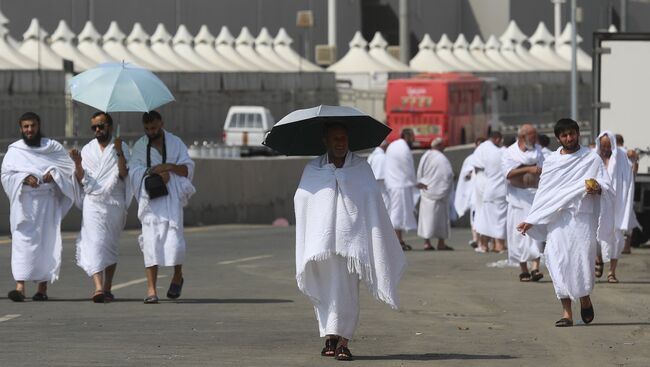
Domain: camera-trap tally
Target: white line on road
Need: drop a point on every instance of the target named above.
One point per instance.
(9, 317)
(245, 259)
(133, 282)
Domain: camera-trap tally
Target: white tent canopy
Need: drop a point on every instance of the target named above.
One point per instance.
(244, 46)
(264, 47)
(224, 44)
(542, 48)
(113, 44)
(378, 52)
(444, 51)
(35, 48)
(182, 45)
(62, 44)
(10, 58)
(563, 48)
(89, 45)
(516, 37)
(3, 19)
(426, 59)
(136, 43)
(357, 60)
(282, 46)
(161, 46)
(492, 52)
(477, 50)
(204, 46)
(461, 52)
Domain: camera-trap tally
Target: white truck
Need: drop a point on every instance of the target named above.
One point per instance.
(246, 126)
(621, 78)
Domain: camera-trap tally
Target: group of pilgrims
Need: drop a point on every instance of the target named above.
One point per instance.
(571, 206)
(43, 181)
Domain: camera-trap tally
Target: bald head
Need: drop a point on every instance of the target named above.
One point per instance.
(527, 137)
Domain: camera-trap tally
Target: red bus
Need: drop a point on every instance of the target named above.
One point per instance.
(452, 106)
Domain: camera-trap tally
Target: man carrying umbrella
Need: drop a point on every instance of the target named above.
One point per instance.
(343, 232)
(160, 172)
(101, 168)
(38, 178)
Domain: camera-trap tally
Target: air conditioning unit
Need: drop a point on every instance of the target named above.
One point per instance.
(393, 51)
(325, 54)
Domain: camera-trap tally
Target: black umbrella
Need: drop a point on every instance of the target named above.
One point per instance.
(301, 131)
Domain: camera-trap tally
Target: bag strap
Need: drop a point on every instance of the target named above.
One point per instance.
(164, 152)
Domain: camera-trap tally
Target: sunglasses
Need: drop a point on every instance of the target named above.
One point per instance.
(95, 127)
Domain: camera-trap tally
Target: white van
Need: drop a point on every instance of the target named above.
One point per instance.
(246, 127)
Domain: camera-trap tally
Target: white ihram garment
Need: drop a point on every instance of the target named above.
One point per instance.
(434, 171)
(491, 217)
(571, 220)
(105, 202)
(343, 235)
(36, 213)
(376, 161)
(521, 249)
(399, 177)
(463, 200)
(162, 241)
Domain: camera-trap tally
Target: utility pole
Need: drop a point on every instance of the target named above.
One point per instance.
(623, 16)
(574, 63)
(557, 13)
(404, 49)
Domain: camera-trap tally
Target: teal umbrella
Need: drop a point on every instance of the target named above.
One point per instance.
(120, 87)
(301, 131)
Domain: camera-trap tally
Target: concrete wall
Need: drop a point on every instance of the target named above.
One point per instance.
(202, 101)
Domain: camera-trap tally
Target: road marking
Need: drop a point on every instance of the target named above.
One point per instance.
(245, 259)
(133, 282)
(9, 317)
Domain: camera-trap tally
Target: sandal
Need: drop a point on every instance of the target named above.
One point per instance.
(611, 278)
(39, 297)
(536, 275)
(108, 297)
(175, 290)
(330, 347)
(599, 269)
(405, 246)
(151, 300)
(524, 277)
(16, 296)
(98, 297)
(343, 354)
(587, 314)
(429, 248)
(563, 322)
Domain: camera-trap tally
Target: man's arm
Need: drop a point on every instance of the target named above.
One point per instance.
(121, 159)
(177, 169)
(522, 170)
(78, 168)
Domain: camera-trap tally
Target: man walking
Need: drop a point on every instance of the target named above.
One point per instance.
(522, 165)
(160, 172)
(435, 172)
(336, 247)
(101, 168)
(572, 210)
(38, 178)
(399, 177)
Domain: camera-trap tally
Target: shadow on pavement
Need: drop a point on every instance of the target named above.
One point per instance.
(187, 300)
(625, 282)
(616, 324)
(430, 357)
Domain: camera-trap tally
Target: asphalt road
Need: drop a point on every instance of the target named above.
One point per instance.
(240, 307)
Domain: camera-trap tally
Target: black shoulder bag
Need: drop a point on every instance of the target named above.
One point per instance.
(154, 183)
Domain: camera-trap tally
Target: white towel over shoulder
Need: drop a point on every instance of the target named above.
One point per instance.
(340, 212)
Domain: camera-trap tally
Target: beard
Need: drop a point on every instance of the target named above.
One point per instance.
(35, 141)
(103, 138)
(571, 148)
(154, 137)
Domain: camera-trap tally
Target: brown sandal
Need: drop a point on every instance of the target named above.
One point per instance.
(405, 246)
(330, 347)
(599, 269)
(343, 354)
(611, 278)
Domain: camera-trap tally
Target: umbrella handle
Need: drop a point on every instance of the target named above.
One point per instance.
(117, 131)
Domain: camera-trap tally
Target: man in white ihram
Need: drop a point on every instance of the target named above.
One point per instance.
(522, 165)
(343, 235)
(622, 180)
(376, 161)
(101, 169)
(467, 197)
(491, 217)
(435, 172)
(38, 178)
(161, 159)
(401, 184)
(573, 209)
